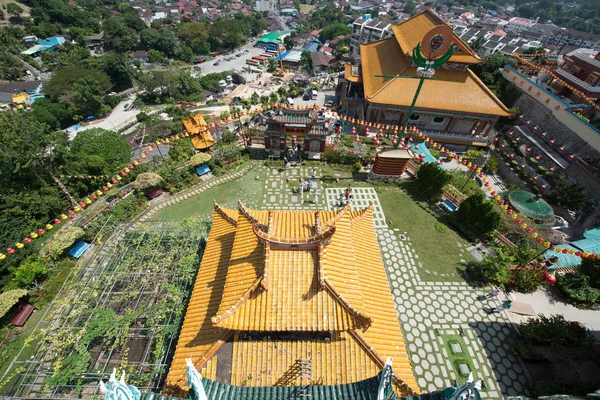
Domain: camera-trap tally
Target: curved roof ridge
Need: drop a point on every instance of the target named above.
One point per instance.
(218, 318)
(313, 239)
(224, 214)
(337, 217)
(362, 214)
(360, 316)
(253, 220)
(488, 91)
(380, 361)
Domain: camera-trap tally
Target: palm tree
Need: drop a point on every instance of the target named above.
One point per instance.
(477, 44)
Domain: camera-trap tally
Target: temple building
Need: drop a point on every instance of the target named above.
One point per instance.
(295, 130)
(199, 129)
(292, 299)
(453, 107)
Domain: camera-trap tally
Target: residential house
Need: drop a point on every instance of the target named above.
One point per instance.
(368, 30)
(321, 62)
(517, 25)
(140, 55)
(22, 93)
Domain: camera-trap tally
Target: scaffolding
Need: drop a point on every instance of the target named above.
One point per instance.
(142, 279)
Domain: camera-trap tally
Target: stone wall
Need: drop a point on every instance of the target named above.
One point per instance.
(542, 117)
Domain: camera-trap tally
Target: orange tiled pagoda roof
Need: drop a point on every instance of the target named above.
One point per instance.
(197, 126)
(450, 91)
(410, 32)
(296, 275)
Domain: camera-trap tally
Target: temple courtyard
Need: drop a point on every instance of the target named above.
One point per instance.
(446, 331)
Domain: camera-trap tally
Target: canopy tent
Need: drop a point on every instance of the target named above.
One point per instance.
(529, 204)
(203, 169)
(80, 248)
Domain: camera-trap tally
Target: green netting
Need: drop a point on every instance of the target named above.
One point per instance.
(525, 202)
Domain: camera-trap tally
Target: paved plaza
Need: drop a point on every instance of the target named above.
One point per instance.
(447, 333)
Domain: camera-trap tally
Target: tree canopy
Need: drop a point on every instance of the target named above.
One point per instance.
(432, 179)
(479, 213)
(97, 151)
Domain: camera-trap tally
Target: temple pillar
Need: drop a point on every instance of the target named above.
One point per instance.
(323, 141)
(307, 140)
(282, 142)
(267, 141)
(378, 115)
(451, 126)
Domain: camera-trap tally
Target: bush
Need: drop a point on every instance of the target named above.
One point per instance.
(555, 330)
(147, 180)
(358, 152)
(9, 299)
(228, 137)
(225, 154)
(576, 286)
(526, 280)
(273, 163)
(33, 270)
(479, 213)
(63, 240)
(591, 268)
(356, 167)
(200, 159)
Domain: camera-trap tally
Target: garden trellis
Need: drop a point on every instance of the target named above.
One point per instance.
(123, 310)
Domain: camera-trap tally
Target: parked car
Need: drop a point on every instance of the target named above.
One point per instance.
(216, 63)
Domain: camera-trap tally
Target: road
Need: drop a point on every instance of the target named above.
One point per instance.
(118, 117)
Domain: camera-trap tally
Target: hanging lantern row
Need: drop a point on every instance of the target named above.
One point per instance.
(566, 84)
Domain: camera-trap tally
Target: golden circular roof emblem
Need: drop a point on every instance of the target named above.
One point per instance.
(436, 42)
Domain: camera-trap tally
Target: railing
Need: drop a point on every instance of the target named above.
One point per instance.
(460, 136)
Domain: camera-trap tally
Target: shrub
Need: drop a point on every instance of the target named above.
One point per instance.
(228, 137)
(63, 240)
(555, 330)
(224, 154)
(480, 213)
(591, 268)
(526, 280)
(147, 180)
(356, 167)
(432, 179)
(9, 299)
(576, 286)
(273, 163)
(358, 152)
(200, 159)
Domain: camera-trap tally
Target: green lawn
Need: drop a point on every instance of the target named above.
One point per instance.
(247, 189)
(436, 244)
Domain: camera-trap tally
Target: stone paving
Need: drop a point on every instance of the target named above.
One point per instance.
(430, 311)
(442, 321)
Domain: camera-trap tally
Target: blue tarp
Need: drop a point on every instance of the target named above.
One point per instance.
(564, 260)
(203, 169)
(282, 56)
(80, 248)
(312, 47)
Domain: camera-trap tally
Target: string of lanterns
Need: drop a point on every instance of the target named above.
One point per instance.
(562, 82)
(410, 132)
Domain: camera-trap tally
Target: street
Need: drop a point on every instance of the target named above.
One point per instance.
(237, 64)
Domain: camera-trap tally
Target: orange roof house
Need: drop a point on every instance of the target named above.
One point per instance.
(198, 128)
(276, 287)
(454, 107)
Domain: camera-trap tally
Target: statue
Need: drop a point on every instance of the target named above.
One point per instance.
(468, 391)
(195, 382)
(119, 390)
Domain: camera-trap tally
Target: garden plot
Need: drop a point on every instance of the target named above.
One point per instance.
(124, 311)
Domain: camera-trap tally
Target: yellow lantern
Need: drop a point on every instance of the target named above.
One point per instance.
(505, 206)
(523, 225)
(19, 245)
(2, 256)
(489, 188)
(135, 163)
(546, 244)
(98, 192)
(176, 137)
(513, 216)
(150, 147)
(49, 227)
(87, 201)
(33, 235)
(76, 209)
(534, 235)
(585, 254)
(118, 178)
(109, 185)
(496, 197)
(126, 170)
(63, 216)
(571, 251)
(478, 170)
(469, 164)
(143, 156)
(485, 179)
(157, 142)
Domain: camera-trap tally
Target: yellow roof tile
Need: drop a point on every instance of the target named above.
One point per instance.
(450, 90)
(410, 32)
(348, 74)
(294, 298)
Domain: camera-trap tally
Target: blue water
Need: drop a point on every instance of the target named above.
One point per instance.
(423, 150)
(450, 206)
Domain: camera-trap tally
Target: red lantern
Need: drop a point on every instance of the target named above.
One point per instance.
(93, 196)
(509, 211)
(113, 181)
(153, 145)
(438, 162)
(550, 278)
(529, 230)
(10, 250)
(527, 123)
(493, 193)
(564, 251)
(539, 240)
(502, 146)
(104, 189)
(139, 159)
(394, 142)
(521, 116)
(552, 142)
(551, 169)
(544, 134)
(551, 248)
(81, 204)
(27, 240)
(41, 231)
(528, 149)
(561, 149)
(571, 156)
(123, 173)
(501, 202)
(543, 187)
(535, 178)
(537, 158)
(56, 221)
(518, 221)
(535, 128)
(71, 213)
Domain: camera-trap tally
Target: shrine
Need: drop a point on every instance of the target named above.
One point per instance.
(290, 133)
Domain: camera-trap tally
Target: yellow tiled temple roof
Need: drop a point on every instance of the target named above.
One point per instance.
(410, 32)
(451, 90)
(197, 334)
(337, 288)
(348, 74)
(197, 126)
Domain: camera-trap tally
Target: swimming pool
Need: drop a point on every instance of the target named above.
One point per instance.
(449, 205)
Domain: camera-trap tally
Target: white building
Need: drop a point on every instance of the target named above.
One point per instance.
(367, 30)
(516, 25)
(262, 5)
